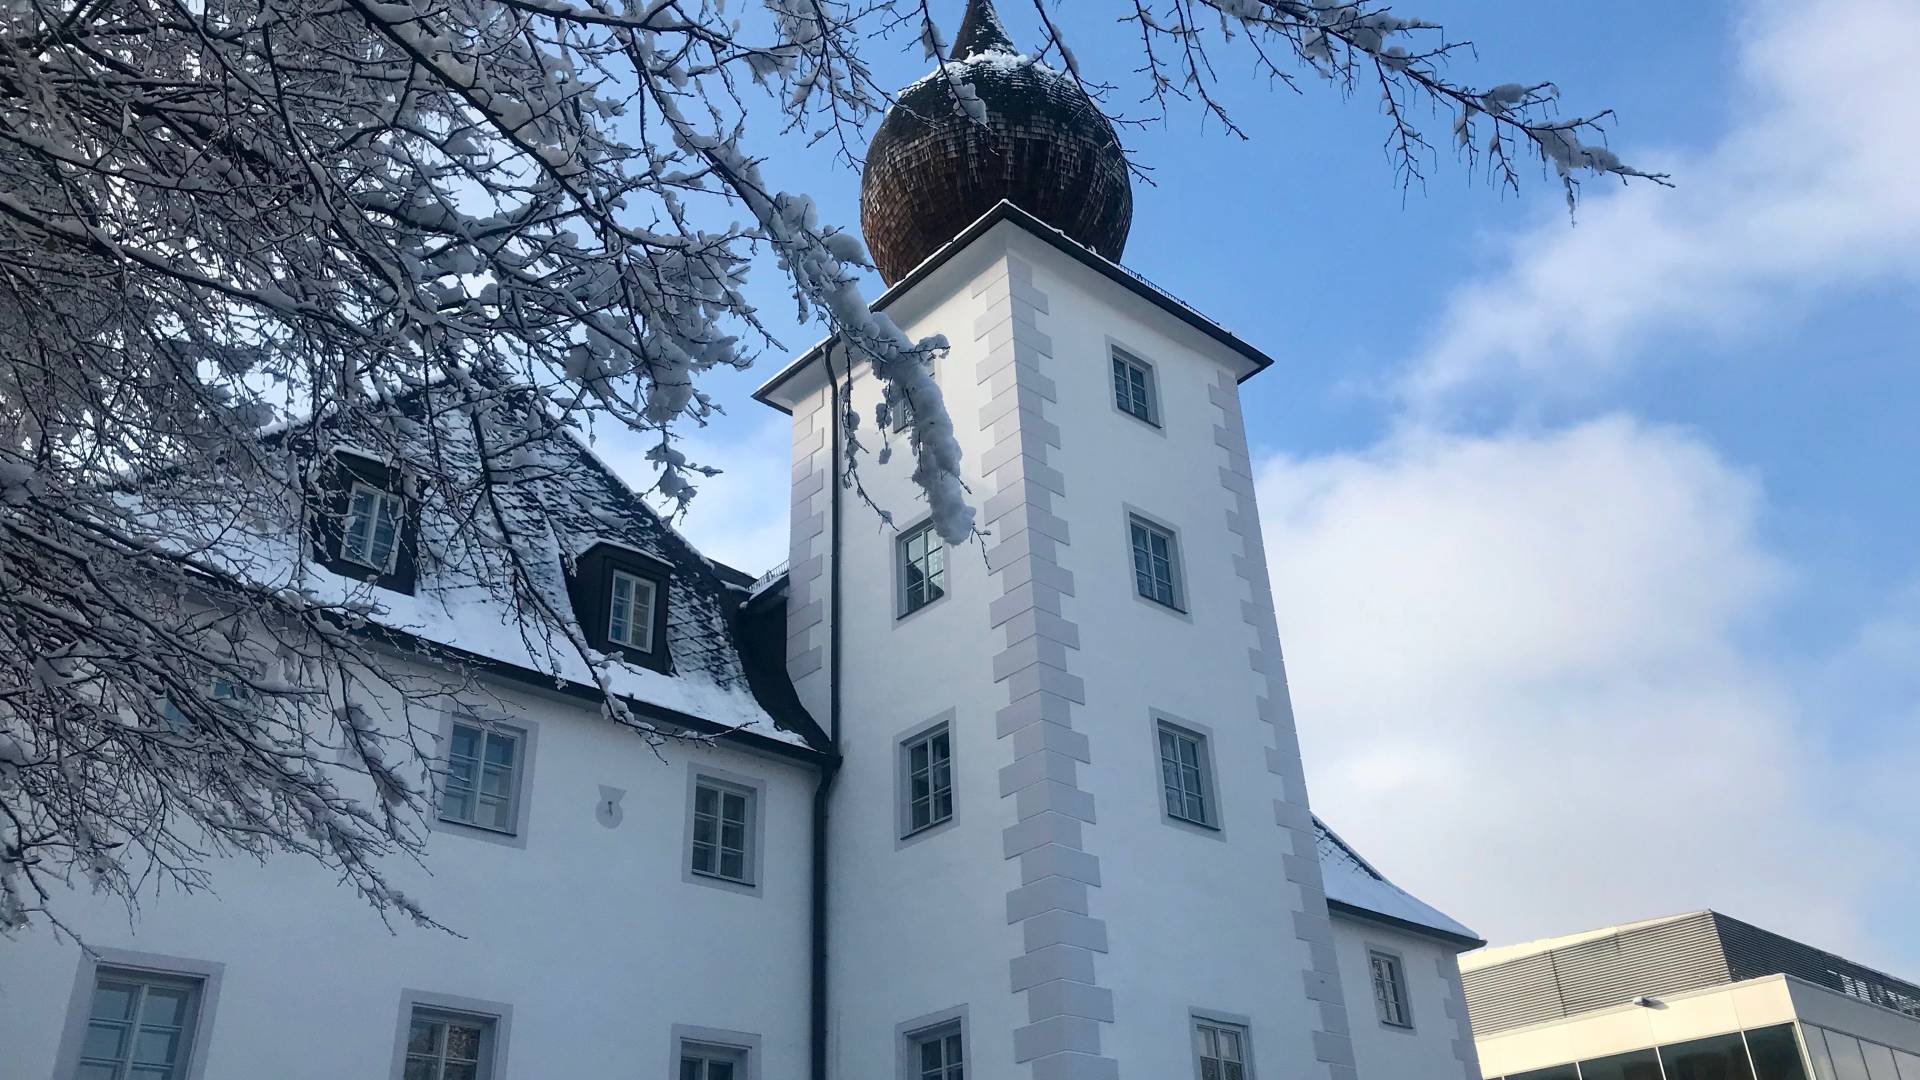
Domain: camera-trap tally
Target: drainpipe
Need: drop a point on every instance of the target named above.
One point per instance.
(831, 768)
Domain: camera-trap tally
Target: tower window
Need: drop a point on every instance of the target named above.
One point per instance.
(723, 831)
(928, 763)
(630, 611)
(448, 1045)
(705, 1061)
(938, 1054)
(140, 1024)
(1389, 989)
(1156, 564)
(1185, 776)
(1133, 387)
(1220, 1051)
(483, 777)
(923, 568)
(371, 532)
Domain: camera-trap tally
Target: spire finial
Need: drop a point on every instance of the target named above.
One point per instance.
(980, 32)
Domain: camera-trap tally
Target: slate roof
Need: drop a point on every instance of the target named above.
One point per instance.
(1352, 883)
(561, 500)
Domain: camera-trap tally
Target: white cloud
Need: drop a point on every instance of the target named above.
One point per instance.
(1521, 672)
(1816, 186)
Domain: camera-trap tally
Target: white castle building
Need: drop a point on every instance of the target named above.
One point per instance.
(1030, 810)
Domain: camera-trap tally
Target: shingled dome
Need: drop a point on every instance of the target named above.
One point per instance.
(935, 165)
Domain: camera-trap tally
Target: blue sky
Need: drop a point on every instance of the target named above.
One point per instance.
(1593, 544)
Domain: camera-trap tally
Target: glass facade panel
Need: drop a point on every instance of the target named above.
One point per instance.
(1849, 1062)
(1775, 1053)
(1633, 1065)
(1880, 1064)
(1909, 1065)
(1717, 1057)
(1817, 1052)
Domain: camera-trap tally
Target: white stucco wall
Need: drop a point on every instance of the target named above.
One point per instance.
(589, 933)
(1433, 1046)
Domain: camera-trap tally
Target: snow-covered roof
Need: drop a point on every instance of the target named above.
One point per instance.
(561, 500)
(1352, 881)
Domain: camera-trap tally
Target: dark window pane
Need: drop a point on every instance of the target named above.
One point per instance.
(1719, 1057)
(420, 1037)
(690, 1068)
(1557, 1072)
(104, 1041)
(1634, 1065)
(1776, 1054)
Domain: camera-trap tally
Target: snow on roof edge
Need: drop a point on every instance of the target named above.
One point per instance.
(1350, 879)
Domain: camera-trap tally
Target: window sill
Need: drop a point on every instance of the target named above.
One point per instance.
(914, 836)
(715, 881)
(1143, 421)
(1171, 609)
(504, 837)
(905, 615)
(1405, 1029)
(1214, 832)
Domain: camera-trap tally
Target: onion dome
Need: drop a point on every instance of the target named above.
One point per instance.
(991, 124)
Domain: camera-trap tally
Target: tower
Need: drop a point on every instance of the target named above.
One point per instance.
(1070, 835)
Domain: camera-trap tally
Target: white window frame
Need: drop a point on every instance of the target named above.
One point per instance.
(493, 1018)
(755, 790)
(201, 977)
(1240, 1027)
(902, 563)
(634, 609)
(1387, 978)
(949, 1038)
(742, 1048)
(525, 734)
(940, 726)
(382, 498)
(1121, 359)
(1166, 725)
(947, 1023)
(1176, 576)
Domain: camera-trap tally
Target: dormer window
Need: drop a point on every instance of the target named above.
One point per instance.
(366, 527)
(620, 595)
(630, 611)
(371, 535)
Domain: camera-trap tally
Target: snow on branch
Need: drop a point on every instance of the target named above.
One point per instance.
(230, 227)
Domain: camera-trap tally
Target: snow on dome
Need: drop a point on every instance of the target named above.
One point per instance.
(991, 124)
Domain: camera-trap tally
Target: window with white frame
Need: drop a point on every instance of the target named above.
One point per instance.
(923, 568)
(139, 1026)
(445, 1045)
(630, 611)
(938, 1053)
(371, 533)
(723, 831)
(1220, 1050)
(484, 763)
(1185, 780)
(708, 1061)
(1389, 988)
(1133, 387)
(927, 760)
(1156, 562)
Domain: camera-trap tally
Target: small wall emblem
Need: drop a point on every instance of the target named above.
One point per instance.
(608, 812)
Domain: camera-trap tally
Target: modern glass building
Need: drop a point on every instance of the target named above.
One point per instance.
(1689, 997)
